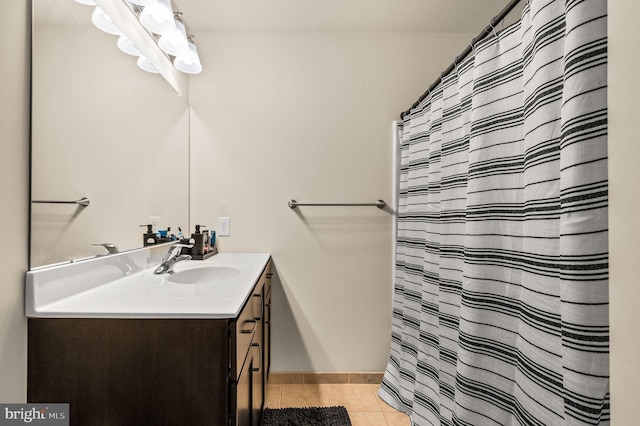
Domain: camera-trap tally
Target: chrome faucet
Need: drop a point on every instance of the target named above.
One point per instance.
(172, 257)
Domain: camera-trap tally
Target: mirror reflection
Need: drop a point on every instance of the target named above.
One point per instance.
(101, 129)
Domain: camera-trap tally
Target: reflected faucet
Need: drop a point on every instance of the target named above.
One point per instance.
(111, 248)
(172, 257)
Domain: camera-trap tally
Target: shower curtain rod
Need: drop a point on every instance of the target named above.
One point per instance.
(486, 31)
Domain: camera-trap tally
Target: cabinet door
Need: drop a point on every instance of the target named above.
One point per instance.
(257, 391)
(266, 337)
(242, 394)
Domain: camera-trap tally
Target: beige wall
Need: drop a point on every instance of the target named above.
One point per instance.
(307, 115)
(624, 177)
(14, 177)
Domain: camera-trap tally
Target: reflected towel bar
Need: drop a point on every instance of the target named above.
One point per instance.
(84, 202)
(379, 204)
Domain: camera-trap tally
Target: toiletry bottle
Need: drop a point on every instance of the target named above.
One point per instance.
(170, 237)
(207, 246)
(212, 240)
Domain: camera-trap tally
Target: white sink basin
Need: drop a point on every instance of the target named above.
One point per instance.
(212, 288)
(204, 275)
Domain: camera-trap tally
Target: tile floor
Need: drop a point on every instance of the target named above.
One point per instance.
(361, 401)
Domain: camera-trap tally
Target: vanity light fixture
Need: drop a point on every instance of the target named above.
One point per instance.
(140, 2)
(175, 42)
(127, 46)
(158, 17)
(146, 65)
(189, 63)
(158, 28)
(103, 22)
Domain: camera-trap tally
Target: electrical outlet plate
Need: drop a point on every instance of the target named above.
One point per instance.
(224, 227)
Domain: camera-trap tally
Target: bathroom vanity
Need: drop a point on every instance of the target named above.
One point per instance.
(154, 365)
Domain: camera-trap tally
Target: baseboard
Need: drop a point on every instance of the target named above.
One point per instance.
(325, 378)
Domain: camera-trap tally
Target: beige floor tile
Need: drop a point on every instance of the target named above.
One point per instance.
(357, 398)
(367, 419)
(296, 395)
(370, 387)
(397, 419)
(273, 396)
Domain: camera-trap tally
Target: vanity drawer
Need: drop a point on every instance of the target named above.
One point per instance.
(242, 331)
(249, 324)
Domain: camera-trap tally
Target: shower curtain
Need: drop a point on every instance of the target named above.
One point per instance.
(500, 312)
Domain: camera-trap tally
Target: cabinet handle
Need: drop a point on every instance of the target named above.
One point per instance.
(257, 345)
(255, 324)
(267, 313)
(261, 306)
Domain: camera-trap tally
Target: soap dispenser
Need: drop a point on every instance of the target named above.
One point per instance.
(198, 245)
(149, 237)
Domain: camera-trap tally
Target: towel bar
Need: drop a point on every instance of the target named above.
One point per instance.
(379, 204)
(84, 202)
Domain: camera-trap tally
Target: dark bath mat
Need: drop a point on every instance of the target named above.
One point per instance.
(311, 416)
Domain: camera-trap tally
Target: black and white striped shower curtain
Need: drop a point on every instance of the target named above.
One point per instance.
(500, 312)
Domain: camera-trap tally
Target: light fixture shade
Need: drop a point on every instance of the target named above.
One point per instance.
(103, 22)
(87, 2)
(145, 64)
(175, 43)
(142, 2)
(190, 62)
(158, 17)
(127, 46)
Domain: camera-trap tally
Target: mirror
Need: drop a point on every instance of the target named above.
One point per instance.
(102, 129)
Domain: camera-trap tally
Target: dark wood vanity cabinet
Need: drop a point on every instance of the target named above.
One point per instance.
(250, 377)
(260, 351)
(155, 371)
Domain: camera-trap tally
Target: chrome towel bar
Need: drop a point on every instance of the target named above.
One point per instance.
(84, 202)
(379, 204)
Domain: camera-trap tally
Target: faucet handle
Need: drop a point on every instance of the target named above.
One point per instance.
(176, 249)
(180, 245)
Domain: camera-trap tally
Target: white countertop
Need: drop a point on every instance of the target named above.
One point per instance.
(58, 293)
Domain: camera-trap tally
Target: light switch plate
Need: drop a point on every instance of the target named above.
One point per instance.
(224, 227)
